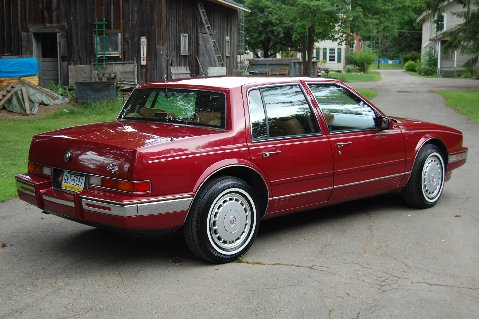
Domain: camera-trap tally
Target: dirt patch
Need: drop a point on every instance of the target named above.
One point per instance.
(43, 110)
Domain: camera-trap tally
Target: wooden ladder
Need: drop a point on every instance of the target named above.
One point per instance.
(218, 58)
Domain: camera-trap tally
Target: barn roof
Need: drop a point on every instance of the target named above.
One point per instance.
(231, 4)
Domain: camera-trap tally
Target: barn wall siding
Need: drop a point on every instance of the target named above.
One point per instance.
(138, 18)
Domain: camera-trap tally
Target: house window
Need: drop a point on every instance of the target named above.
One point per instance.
(332, 55)
(227, 46)
(441, 23)
(110, 11)
(184, 44)
(110, 44)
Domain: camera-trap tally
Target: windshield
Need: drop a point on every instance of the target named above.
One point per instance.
(180, 106)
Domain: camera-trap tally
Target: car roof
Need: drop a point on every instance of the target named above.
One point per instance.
(229, 82)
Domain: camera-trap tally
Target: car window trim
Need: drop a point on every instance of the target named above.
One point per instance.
(226, 96)
(376, 129)
(268, 138)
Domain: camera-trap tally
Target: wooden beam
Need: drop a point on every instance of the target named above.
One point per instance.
(6, 98)
(26, 101)
(163, 24)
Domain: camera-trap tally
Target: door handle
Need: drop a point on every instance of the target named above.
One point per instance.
(268, 154)
(341, 145)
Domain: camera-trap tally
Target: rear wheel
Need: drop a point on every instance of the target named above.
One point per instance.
(223, 220)
(426, 182)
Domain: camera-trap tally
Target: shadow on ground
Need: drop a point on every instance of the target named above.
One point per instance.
(108, 247)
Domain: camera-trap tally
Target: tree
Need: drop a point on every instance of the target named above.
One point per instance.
(275, 26)
(267, 28)
(312, 20)
(466, 36)
(394, 20)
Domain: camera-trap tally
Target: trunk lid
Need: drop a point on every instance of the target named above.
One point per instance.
(107, 149)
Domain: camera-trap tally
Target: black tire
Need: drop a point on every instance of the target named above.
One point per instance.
(426, 181)
(223, 220)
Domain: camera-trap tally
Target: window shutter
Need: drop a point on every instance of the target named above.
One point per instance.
(338, 56)
(325, 54)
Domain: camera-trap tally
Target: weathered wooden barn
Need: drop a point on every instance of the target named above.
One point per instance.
(159, 37)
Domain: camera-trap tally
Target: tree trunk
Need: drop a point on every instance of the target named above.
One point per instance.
(303, 58)
(309, 49)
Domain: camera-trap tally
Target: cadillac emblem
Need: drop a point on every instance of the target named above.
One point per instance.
(67, 156)
(112, 168)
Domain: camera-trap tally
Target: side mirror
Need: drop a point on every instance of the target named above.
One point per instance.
(384, 123)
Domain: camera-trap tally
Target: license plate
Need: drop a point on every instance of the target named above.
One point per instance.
(70, 181)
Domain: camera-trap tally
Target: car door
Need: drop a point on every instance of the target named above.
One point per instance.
(287, 144)
(367, 160)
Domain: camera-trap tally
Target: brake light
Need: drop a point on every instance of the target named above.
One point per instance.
(121, 185)
(36, 169)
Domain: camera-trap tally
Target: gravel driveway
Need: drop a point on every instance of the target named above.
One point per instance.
(372, 258)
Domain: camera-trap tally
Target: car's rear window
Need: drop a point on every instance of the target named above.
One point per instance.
(180, 106)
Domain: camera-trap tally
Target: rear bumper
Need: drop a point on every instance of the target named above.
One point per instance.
(94, 207)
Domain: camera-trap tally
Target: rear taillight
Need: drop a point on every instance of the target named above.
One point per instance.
(36, 169)
(121, 185)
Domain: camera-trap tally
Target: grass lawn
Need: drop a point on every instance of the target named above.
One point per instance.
(368, 93)
(464, 102)
(16, 135)
(356, 77)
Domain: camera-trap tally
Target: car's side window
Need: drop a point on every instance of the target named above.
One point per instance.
(280, 111)
(257, 116)
(342, 110)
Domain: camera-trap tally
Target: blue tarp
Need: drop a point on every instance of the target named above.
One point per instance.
(388, 61)
(15, 68)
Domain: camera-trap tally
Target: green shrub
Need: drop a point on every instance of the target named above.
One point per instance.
(411, 56)
(467, 73)
(362, 60)
(425, 70)
(325, 70)
(350, 69)
(66, 91)
(341, 77)
(410, 66)
(428, 64)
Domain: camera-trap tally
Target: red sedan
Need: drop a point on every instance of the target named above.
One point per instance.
(213, 156)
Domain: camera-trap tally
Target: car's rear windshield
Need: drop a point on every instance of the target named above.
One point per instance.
(179, 106)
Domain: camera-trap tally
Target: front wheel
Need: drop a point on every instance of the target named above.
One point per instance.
(426, 182)
(223, 220)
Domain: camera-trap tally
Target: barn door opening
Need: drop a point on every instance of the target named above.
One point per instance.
(45, 48)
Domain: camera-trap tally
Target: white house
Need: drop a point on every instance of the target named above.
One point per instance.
(434, 36)
(331, 54)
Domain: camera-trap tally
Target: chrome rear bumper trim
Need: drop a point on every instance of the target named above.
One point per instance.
(144, 209)
(25, 188)
(58, 201)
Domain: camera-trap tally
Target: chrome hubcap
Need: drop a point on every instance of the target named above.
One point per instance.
(231, 221)
(432, 177)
